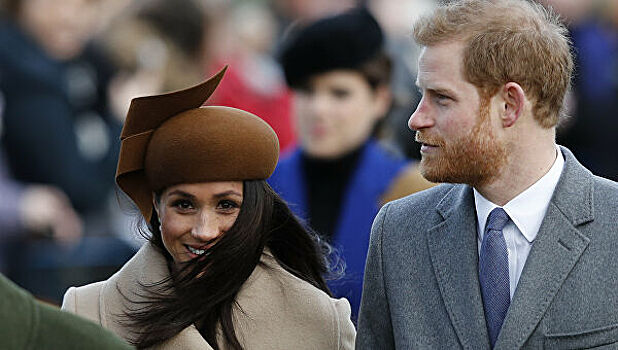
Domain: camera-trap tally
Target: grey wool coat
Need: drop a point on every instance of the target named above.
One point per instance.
(279, 310)
(421, 287)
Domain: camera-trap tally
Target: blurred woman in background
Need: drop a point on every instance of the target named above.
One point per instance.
(228, 266)
(340, 175)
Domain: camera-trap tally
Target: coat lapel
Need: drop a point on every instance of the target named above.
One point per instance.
(454, 255)
(147, 267)
(188, 338)
(555, 252)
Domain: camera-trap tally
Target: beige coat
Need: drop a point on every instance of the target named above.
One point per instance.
(280, 311)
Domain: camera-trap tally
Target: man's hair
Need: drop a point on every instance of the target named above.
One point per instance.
(507, 40)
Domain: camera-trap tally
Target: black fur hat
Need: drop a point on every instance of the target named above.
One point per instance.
(343, 41)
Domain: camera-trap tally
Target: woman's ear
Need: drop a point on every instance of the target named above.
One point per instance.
(514, 101)
(382, 100)
(155, 204)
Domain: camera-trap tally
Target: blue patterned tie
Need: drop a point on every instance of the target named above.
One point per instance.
(494, 273)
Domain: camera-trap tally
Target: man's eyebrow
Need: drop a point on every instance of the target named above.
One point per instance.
(435, 90)
(442, 91)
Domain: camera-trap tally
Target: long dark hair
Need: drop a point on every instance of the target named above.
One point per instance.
(203, 292)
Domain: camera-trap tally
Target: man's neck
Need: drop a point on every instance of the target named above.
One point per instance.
(522, 171)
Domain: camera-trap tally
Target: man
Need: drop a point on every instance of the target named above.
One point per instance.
(520, 250)
(28, 324)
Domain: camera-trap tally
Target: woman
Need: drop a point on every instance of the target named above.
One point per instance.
(227, 266)
(340, 175)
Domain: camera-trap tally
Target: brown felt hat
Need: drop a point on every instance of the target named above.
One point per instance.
(171, 139)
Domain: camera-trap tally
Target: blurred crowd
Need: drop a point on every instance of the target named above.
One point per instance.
(69, 68)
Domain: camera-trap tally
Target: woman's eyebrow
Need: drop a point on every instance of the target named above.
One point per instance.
(216, 195)
(228, 193)
(182, 194)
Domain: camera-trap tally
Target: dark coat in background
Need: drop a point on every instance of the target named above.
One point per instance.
(57, 127)
(57, 130)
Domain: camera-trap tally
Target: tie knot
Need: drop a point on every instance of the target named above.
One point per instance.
(497, 219)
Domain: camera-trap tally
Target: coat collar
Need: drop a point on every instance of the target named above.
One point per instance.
(147, 267)
(453, 251)
(557, 249)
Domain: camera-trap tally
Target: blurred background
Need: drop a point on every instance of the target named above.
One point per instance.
(69, 68)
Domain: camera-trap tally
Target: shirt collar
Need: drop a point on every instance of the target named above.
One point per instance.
(528, 208)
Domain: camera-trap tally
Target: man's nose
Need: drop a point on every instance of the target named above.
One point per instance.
(421, 117)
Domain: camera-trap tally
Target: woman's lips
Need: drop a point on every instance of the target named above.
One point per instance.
(195, 250)
(318, 132)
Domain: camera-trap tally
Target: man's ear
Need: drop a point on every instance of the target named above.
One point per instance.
(514, 101)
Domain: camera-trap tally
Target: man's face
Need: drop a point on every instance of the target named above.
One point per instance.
(453, 123)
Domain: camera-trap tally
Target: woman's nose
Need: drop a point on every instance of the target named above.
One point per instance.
(317, 105)
(206, 228)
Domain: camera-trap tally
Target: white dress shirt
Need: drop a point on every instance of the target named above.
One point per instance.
(526, 211)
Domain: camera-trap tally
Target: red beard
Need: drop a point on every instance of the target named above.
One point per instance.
(474, 159)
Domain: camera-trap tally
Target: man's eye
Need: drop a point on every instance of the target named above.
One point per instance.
(442, 99)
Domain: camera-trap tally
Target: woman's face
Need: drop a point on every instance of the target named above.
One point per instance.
(194, 216)
(336, 112)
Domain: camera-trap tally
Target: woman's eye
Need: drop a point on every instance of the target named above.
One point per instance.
(227, 204)
(340, 93)
(183, 204)
(304, 89)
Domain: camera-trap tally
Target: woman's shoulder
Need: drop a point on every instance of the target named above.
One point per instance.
(84, 301)
(270, 275)
(274, 300)
(101, 300)
(408, 181)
